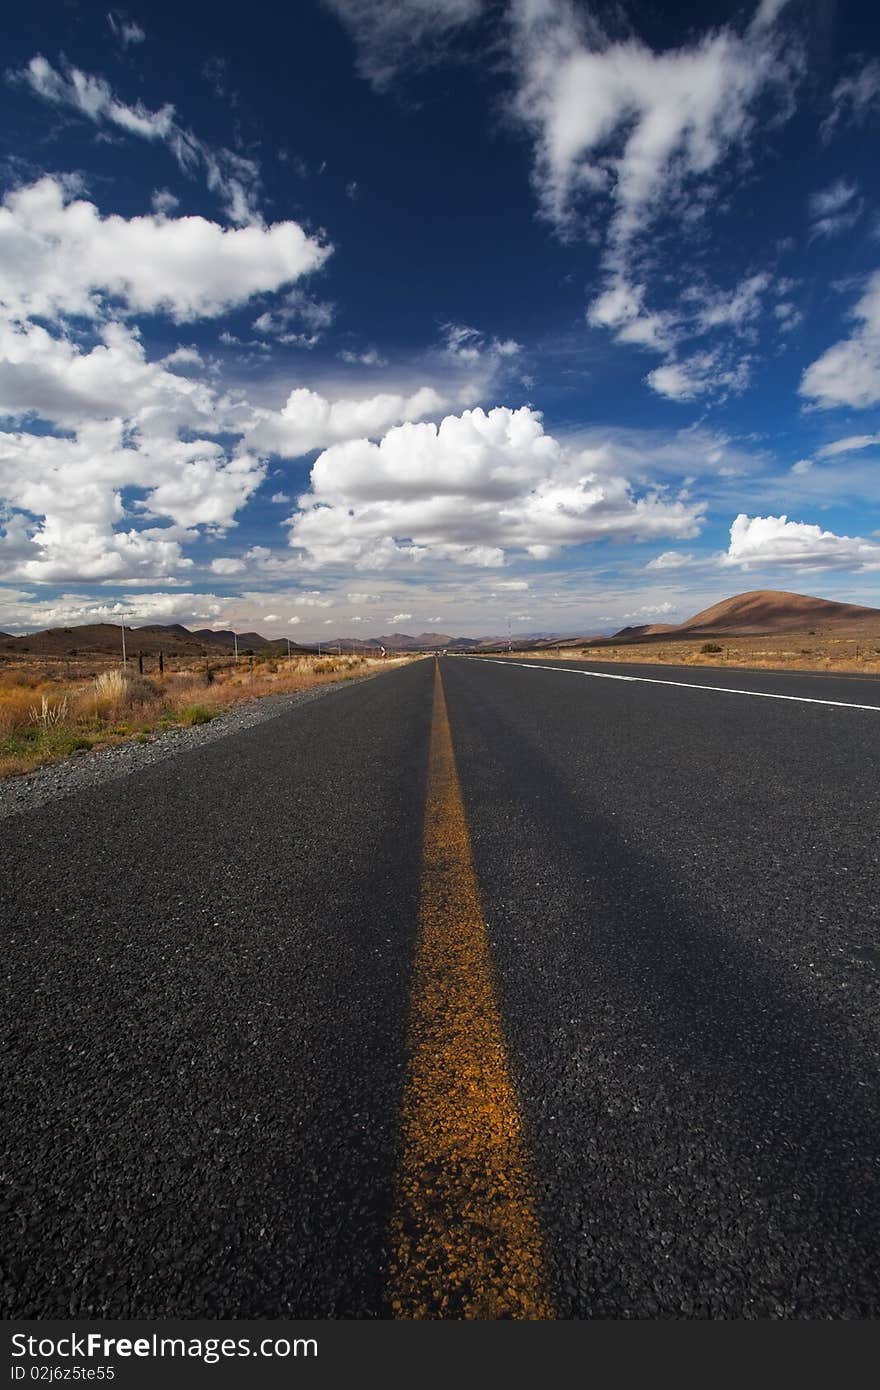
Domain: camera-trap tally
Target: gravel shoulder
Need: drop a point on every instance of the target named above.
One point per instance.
(85, 770)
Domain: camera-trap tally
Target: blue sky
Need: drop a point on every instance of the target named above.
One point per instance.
(349, 316)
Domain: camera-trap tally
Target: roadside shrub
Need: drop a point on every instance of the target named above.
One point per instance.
(33, 746)
(22, 678)
(117, 690)
(710, 648)
(111, 686)
(16, 704)
(49, 713)
(195, 714)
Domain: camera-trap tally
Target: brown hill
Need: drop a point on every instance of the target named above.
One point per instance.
(105, 639)
(645, 630)
(221, 638)
(761, 612)
(775, 610)
(395, 641)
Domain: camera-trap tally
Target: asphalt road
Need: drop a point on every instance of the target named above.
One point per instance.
(209, 975)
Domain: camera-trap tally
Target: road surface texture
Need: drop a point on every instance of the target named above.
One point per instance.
(493, 989)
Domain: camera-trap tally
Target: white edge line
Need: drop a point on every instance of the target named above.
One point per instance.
(684, 685)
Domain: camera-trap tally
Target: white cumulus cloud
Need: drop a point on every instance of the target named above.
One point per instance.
(774, 540)
(652, 610)
(621, 309)
(20, 609)
(699, 375)
(309, 420)
(59, 255)
(470, 490)
(131, 469)
(671, 560)
(313, 598)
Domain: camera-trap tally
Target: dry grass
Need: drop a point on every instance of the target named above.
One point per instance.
(51, 709)
(799, 651)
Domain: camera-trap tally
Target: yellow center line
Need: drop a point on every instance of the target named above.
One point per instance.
(465, 1236)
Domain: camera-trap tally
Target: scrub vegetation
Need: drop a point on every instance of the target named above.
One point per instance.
(52, 709)
(791, 651)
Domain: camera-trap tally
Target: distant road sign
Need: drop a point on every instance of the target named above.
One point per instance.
(382, 651)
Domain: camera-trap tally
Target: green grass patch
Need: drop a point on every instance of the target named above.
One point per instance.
(195, 714)
(43, 744)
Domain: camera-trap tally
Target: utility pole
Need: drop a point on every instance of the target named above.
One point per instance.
(124, 657)
(288, 651)
(235, 643)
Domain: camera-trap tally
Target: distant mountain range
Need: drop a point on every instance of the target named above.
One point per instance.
(760, 611)
(100, 638)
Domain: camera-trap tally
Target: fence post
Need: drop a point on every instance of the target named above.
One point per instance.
(140, 663)
(161, 663)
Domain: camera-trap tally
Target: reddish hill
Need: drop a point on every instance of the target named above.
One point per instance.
(776, 610)
(645, 630)
(761, 612)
